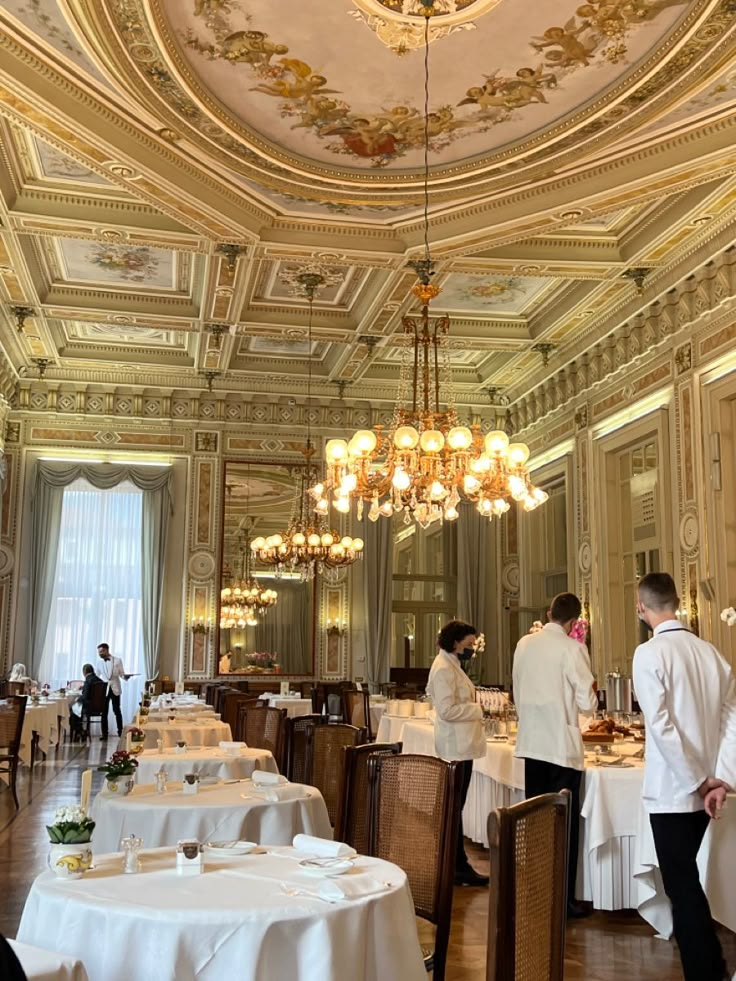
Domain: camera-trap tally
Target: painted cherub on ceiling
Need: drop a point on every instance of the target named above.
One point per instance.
(595, 30)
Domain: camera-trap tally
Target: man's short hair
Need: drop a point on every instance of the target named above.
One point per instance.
(104, 647)
(565, 607)
(657, 591)
(87, 669)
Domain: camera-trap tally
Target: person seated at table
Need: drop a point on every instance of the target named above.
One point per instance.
(458, 731)
(552, 684)
(19, 675)
(80, 708)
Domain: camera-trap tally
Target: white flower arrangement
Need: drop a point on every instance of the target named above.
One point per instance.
(71, 826)
(536, 627)
(480, 644)
(729, 616)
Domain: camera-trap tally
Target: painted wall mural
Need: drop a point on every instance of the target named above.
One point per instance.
(500, 294)
(55, 164)
(324, 92)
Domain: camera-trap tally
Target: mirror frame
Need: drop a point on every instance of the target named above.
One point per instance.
(316, 582)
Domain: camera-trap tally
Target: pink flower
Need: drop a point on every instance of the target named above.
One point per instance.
(579, 630)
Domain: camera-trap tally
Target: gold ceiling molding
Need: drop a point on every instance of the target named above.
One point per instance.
(702, 28)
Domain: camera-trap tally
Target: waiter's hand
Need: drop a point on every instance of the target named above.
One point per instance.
(127, 677)
(714, 801)
(710, 783)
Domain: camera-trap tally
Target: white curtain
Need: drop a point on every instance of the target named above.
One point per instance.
(97, 593)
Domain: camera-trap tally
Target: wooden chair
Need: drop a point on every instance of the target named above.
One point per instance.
(356, 710)
(230, 706)
(12, 713)
(16, 689)
(305, 688)
(415, 815)
(528, 903)
(222, 691)
(353, 824)
(297, 733)
(264, 728)
(243, 703)
(326, 760)
(95, 709)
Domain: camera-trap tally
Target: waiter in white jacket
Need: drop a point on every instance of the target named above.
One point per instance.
(686, 691)
(458, 728)
(112, 672)
(552, 684)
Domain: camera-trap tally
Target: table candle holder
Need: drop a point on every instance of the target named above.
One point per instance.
(191, 783)
(131, 846)
(189, 859)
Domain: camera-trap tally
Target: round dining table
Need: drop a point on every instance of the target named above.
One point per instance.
(253, 917)
(199, 731)
(207, 761)
(43, 965)
(218, 811)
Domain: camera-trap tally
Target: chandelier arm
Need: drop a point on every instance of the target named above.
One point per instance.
(435, 344)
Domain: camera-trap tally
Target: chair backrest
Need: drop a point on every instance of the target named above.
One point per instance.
(415, 815)
(96, 703)
(242, 704)
(353, 823)
(356, 709)
(325, 759)
(220, 694)
(297, 733)
(305, 688)
(16, 688)
(209, 692)
(528, 902)
(12, 713)
(263, 728)
(230, 705)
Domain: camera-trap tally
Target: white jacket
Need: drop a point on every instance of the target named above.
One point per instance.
(686, 691)
(112, 671)
(458, 731)
(552, 683)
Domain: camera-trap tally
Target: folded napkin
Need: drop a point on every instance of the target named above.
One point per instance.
(226, 745)
(350, 887)
(289, 791)
(322, 847)
(262, 778)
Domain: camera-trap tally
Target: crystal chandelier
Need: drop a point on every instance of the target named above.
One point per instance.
(425, 463)
(245, 599)
(306, 546)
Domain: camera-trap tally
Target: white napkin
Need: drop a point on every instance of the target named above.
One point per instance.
(291, 791)
(262, 778)
(322, 847)
(225, 745)
(350, 887)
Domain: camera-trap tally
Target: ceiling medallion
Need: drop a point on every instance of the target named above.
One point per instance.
(399, 24)
(296, 277)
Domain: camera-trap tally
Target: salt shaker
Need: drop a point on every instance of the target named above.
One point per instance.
(161, 778)
(131, 846)
(160, 745)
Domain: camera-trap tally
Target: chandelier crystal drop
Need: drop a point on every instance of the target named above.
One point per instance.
(426, 462)
(307, 546)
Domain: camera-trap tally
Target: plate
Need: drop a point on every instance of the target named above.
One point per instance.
(618, 766)
(326, 866)
(231, 848)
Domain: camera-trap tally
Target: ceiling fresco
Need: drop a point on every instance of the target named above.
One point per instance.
(200, 155)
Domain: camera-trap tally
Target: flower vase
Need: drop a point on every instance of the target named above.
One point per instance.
(120, 786)
(70, 861)
(136, 747)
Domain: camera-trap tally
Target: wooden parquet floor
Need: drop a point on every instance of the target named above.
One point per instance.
(605, 947)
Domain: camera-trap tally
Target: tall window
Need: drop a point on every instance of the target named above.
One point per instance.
(97, 592)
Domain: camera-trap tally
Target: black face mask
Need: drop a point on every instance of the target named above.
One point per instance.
(465, 654)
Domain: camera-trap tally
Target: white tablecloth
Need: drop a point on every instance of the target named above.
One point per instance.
(43, 718)
(207, 761)
(233, 921)
(206, 732)
(294, 706)
(221, 812)
(390, 728)
(43, 965)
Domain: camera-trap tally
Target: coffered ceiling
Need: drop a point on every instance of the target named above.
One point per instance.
(169, 167)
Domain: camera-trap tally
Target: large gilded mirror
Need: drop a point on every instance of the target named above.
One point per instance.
(261, 633)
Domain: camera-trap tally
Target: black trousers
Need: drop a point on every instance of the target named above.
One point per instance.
(677, 839)
(461, 859)
(541, 777)
(111, 697)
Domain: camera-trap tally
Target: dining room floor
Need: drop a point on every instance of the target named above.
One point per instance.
(604, 947)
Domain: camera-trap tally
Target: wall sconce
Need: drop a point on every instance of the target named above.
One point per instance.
(336, 627)
(200, 626)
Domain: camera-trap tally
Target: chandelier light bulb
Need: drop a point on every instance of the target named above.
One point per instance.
(342, 504)
(452, 513)
(348, 484)
(496, 442)
(317, 491)
(406, 438)
(313, 540)
(299, 539)
(518, 454)
(539, 495)
(336, 451)
(431, 441)
(401, 480)
(470, 483)
(438, 490)
(277, 540)
(517, 486)
(327, 539)
(386, 509)
(363, 443)
(257, 543)
(529, 503)
(358, 544)
(322, 506)
(459, 438)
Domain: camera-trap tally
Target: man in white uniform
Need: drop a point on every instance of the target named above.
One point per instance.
(686, 692)
(111, 672)
(552, 684)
